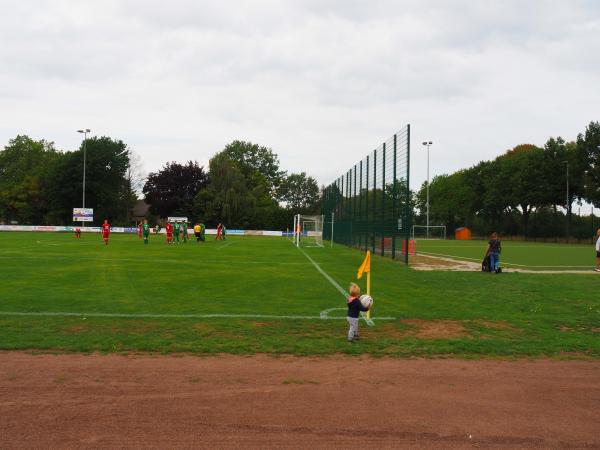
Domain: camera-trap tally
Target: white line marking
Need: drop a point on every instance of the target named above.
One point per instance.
(325, 313)
(171, 261)
(502, 262)
(224, 245)
(174, 316)
(336, 285)
(325, 274)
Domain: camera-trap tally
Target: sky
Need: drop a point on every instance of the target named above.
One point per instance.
(321, 82)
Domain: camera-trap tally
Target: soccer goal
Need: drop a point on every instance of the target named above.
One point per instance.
(308, 230)
(428, 232)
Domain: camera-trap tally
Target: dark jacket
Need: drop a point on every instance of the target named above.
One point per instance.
(495, 246)
(355, 307)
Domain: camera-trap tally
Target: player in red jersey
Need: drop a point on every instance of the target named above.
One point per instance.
(219, 233)
(105, 231)
(140, 230)
(169, 230)
(78, 233)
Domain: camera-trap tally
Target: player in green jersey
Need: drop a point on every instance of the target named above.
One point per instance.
(176, 231)
(145, 231)
(184, 231)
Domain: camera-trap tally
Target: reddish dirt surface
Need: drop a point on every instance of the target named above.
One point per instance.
(113, 401)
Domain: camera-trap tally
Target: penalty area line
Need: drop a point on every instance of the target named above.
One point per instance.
(172, 316)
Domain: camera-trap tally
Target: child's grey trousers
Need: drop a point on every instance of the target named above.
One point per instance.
(353, 330)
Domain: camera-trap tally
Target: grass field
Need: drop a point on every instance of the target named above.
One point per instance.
(518, 254)
(262, 295)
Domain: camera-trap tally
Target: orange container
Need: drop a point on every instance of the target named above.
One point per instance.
(462, 234)
(412, 247)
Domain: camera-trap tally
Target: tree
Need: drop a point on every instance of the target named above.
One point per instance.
(255, 160)
(299, 192)
(24, 167)
(107, 188)
(588, 150)
(136, 175)
(171, 190)
(227, 197)
(521, 176)
(450, 200)
(233, 198)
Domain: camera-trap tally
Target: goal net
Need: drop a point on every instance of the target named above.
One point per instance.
(428, 232)
(308, 230)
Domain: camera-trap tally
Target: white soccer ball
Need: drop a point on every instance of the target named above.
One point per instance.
(366, 301)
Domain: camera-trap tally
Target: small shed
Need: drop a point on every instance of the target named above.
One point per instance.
(462, 234)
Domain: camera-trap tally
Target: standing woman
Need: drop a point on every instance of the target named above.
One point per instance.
(494, 249)
(597, 269)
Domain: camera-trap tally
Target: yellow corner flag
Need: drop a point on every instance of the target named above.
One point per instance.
(366, 267)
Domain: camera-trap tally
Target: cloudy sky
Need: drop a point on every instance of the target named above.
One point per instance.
(322, 82)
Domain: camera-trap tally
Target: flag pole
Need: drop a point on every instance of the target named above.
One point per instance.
(369, 291)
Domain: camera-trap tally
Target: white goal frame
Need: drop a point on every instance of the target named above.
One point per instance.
(427, 232)
(312, 237)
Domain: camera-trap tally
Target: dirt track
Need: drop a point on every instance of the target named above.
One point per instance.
(79, 401)
(434, 262)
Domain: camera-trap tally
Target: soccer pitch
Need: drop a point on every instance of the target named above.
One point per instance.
(516, 254)
(263, 295)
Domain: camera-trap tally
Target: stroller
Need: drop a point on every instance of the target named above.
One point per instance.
(486, 265)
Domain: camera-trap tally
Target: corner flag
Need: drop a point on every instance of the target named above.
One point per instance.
(365, 266)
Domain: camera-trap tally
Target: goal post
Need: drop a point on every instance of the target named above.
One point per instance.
(308, 230)
(428, 232)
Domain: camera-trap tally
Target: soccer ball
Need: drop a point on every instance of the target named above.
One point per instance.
(366, 301)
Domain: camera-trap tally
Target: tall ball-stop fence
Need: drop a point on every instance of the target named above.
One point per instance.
(369, 206)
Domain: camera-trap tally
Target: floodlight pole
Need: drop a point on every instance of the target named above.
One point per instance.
(85, 131)
(428, 144)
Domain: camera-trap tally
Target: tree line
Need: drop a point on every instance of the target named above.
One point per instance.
(522, 192)
(41, 185)
(244, 188)
(244, 185)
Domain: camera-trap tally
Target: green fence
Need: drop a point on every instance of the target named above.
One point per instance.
(369, 206)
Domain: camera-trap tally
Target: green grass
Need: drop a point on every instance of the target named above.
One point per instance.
(521, 254)
(509, 315)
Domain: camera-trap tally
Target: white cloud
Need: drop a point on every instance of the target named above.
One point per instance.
(322, 82)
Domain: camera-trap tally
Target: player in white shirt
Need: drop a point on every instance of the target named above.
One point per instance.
(597, 269)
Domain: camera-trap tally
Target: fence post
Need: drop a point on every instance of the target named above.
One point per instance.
(368, 221)
(354, 208)
(348, 207)
(360, 210)
(373, 234)
(332, 218)
(407, 206)
(383, 202)
(394, 205)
